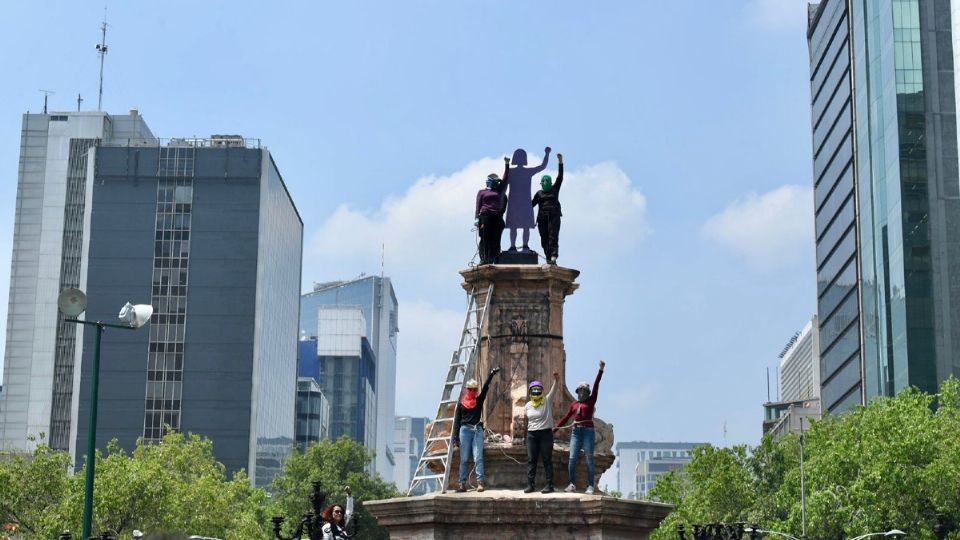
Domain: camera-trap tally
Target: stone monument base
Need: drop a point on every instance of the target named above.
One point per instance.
(517, 516)
(505, 467)
(517, 257)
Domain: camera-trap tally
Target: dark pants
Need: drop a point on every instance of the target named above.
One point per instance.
(548, 223)
(540, 443)
(491, 228)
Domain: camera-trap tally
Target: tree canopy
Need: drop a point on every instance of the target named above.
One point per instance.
(335, 464)
(177, 486)
(893, 464)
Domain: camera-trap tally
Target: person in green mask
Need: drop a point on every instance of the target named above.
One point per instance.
(548, 215)
(539, 411)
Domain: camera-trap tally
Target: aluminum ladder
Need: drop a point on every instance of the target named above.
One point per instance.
(433, 469)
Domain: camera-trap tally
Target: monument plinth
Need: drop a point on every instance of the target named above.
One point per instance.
(519, 516)
(524, 337)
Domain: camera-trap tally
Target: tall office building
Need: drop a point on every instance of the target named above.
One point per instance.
(202, 229)
(887, 196)
(341, 360)
(799, 399)
(639, 464)
(378, 303)
(408, 437)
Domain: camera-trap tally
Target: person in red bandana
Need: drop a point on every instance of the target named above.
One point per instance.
(468, 429)
(583, 435)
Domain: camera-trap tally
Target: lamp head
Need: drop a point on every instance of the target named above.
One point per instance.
(135, 316)
(72, 302)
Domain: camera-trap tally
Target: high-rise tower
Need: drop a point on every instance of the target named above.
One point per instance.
(887, 196)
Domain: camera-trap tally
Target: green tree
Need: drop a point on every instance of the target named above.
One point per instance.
(335, 464)
(31, 486)
(176, 485)
(715, 486)
(894, 463)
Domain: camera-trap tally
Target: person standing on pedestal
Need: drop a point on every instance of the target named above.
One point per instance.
(539, 412)
(583, 435)
(488, 215)
(548, 215)
(519, 213)
(468, 430)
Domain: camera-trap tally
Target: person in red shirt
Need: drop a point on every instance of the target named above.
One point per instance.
(583, 435)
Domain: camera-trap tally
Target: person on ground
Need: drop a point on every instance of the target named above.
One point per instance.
(468, 429)
(488, 215)
(539, 411)
(336, 518)
(548, 215)
(583, 435)
(519, 213)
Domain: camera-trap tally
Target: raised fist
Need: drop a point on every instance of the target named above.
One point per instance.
(546, 150)
(602, 364)
(506, 160)
(560, 158)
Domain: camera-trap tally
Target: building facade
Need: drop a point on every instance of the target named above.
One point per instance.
(887, 196)
(313, 413)
(799, 399)
(375, 297)
(202, 229)
(639, 464)
(341, 360)
(408, 437)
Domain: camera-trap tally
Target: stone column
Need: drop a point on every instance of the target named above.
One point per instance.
(524, 337)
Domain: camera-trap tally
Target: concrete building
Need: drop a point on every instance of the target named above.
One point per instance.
(375, 297)
(799, 400)
(205, 231)
(887, 196)
(639, 464)
(408, 436)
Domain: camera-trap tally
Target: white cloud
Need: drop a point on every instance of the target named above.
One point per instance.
(768, 230)
(777, 14)
(427, 239)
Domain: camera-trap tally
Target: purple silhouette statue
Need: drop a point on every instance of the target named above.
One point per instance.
(519, 211)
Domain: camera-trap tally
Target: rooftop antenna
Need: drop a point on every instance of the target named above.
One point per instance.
(102, 51)
(382, 250)
(79, 101)
(768, 384)
(46, 94)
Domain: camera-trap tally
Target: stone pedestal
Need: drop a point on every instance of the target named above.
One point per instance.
(505, 467)
(524, 337)
(517, 516)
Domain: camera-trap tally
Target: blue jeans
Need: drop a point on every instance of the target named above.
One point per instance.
(585, 438)
(471, 443)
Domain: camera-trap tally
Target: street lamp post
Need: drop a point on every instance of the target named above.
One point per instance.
(72, 302)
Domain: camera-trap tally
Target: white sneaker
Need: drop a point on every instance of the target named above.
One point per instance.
(570, 489)
(589, 490)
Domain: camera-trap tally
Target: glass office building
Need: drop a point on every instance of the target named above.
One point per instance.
(205, 231)
(887, 196)
(377, 301)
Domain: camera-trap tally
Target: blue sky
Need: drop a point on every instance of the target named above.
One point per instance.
(684, 126)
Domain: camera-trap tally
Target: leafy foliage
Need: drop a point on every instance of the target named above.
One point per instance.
(335, 464)
(894, 463)
(178, 486)
(30, 486)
